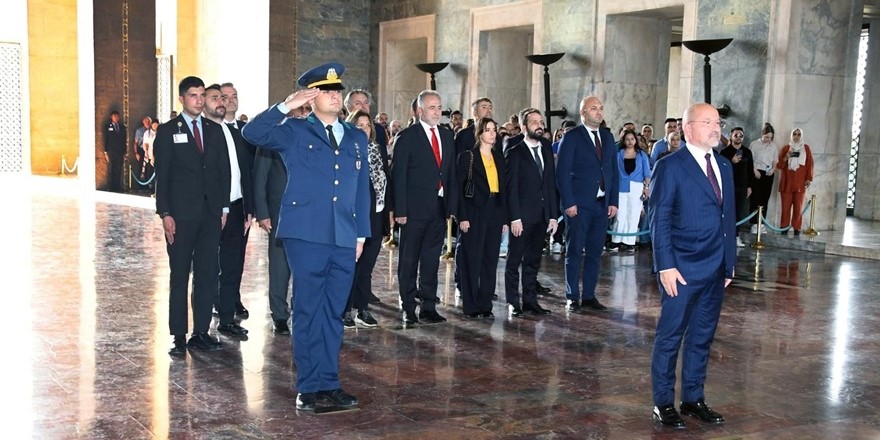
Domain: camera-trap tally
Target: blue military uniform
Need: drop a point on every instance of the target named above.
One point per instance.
(324, 210)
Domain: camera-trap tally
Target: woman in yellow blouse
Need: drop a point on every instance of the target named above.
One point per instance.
(482, 216)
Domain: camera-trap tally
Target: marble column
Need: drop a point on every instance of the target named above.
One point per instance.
(867, 203)
(810, 84)
(282, 48)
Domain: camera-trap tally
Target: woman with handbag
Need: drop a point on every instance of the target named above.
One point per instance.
(482, 215)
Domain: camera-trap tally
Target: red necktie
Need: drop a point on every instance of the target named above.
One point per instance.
(198, 136)
(435, 144)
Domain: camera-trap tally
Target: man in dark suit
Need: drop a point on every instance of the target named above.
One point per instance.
(270, 179)
(238, 220)
(246, 153)
(587, 178)
(465, 139)
(531, 200)
(324, 221)
(192, 197)
(114, 151)
(425, 195)
(693, 216)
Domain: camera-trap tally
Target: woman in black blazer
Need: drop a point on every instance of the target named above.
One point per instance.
(361, 288)
(481, 218)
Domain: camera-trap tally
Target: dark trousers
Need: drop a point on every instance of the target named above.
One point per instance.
(586, 231)
(195, 246)
(525, 251)
(233, 243)
(363, 269)
(114, 172)
(322, 276)
(742, 205)
(421, 241)
(477, 257)
(761, 188)
(691, 316)
(279, 275)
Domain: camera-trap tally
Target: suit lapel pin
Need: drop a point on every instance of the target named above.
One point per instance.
(179, 126)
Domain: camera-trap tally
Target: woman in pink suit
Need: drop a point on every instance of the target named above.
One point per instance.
(796, 165)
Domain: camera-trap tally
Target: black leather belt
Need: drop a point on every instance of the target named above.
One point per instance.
(600, 199)
(494, 195)
(236, 203)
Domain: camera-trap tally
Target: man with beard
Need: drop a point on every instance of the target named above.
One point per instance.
(425, 194)
(246, 153)
(465, 139)
(531, 200)
(743, 164)
(693, 229)
(324, 222)
(240, 212)
(192, 198)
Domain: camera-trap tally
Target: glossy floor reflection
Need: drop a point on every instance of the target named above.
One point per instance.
(795, 355)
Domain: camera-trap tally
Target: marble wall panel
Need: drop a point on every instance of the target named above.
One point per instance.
(636, 73)
(504, 72)
(738, 71)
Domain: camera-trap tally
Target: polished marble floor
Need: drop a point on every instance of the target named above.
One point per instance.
(86, 282)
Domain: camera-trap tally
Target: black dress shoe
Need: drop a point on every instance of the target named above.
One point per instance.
(338, 397)
(203, 341)
(473, 315)
(594, 304)
(179, 346)
(699, 410)
(241, 312)
(306, 401)
(666, 415)
(573, 306)
(431, 317)
(409, 318)
(515, 311)
(232, 329)
(487, 315)
(541, 289)
(280, 327)
(374, 299)
(536, 309)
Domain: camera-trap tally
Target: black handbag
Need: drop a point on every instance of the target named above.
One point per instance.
(469, 183)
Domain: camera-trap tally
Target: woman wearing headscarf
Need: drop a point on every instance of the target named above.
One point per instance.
(796, 175)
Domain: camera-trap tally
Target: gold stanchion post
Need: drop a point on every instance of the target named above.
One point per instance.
(758, 244)
(810, 231)
(449, 254)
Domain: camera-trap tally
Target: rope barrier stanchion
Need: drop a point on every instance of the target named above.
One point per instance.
(748, 217)
(758, 244)
(67, 169)
(449, 254)
(149, 181)
(810, 231)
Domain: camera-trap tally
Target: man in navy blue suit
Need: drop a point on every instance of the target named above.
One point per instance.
(693, 216)
(587, 179)
(324, 221)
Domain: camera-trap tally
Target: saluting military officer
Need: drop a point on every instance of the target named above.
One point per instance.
(324, 220)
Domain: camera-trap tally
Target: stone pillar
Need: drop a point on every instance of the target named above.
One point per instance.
(867, 203)
(282, 49)
(810, 84)
(125, 70)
